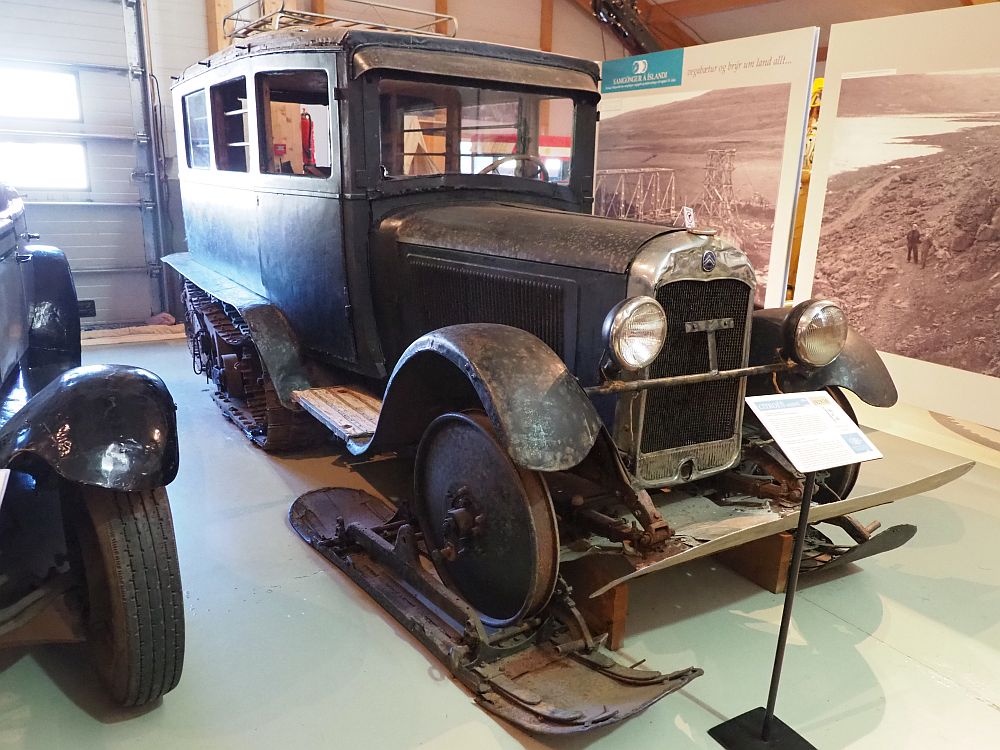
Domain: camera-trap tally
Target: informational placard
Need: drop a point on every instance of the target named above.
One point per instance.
(902, 224)
(812, 430)
(717, 127)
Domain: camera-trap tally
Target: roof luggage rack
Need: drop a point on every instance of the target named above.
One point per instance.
(262, 15)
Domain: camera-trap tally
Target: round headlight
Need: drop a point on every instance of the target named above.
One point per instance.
(818, 329)
(634, 331)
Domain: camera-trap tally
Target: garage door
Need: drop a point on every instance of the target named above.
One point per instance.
(73, 141)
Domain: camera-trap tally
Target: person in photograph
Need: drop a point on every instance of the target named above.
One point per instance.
(913, 244)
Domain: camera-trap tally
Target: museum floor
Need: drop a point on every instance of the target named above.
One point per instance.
(899, 651)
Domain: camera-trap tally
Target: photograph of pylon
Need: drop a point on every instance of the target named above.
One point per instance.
(718, 152)
(719, 128)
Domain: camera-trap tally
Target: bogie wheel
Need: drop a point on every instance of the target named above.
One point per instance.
(135, 615)
(490, 522)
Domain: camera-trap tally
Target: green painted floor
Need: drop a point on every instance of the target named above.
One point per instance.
(900, 651)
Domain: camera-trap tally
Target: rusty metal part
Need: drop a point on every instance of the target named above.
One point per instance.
(222, 349)
(545, 675)
(772, 478)
(823, 554)
(489, 524)
(629, 386)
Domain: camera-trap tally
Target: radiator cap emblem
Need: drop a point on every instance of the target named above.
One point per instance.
(708, 261)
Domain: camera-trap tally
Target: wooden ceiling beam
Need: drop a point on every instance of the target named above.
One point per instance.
(215, 10)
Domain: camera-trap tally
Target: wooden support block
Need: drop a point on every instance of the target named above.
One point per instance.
(607, 612)
(763, 561)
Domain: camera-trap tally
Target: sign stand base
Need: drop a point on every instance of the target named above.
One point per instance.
(743, 733)
(760, 728)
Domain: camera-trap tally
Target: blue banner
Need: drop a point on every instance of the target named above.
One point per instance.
(651, 71)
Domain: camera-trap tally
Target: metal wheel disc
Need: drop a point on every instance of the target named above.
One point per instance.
(492, 522)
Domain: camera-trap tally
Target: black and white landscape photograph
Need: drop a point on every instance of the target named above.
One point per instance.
(717, 151)
(910, 239)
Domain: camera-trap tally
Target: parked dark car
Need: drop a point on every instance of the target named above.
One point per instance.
(87, 548)
(391, 236)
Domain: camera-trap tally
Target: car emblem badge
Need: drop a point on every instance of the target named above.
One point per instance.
(708, 261)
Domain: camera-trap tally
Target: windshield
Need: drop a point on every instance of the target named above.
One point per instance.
(433, 129)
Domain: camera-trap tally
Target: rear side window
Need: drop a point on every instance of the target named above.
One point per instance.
(294, 109)
(196, 130)
(230, 125)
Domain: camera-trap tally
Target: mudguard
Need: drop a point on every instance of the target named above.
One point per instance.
(540, 413)
(274, 337)
(105, 425)
(859, 368)
(54, 336)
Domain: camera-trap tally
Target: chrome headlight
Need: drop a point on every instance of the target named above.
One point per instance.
(816, 331)
(634, 332)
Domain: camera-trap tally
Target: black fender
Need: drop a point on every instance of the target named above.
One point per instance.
(539, 411)
(859, 368)
(109, 426)
(54, 314)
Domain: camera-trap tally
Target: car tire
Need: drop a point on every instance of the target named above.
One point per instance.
(134, 616)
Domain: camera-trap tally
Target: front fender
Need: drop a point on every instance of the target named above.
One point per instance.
(859, 368)
(105, 425)
(540, 413)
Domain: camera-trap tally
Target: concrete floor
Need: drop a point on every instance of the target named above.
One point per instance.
(900, 651)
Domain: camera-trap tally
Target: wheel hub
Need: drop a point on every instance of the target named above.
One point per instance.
(489, 526)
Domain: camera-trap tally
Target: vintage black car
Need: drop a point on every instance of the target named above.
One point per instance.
(392, 232)
(87, 547)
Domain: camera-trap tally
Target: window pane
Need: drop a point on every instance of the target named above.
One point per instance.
(196, 130)
(231, 126)
(38, 94)
(58, 166)
(294, 131)
(431, 128)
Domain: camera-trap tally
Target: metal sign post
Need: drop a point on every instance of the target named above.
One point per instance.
(815, 434)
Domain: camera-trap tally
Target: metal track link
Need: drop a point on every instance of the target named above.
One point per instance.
(255, 406)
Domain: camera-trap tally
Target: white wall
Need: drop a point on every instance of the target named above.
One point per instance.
(178, 37)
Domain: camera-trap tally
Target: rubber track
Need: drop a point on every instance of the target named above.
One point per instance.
(262, 418)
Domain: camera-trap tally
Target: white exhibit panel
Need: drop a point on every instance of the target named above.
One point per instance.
(902, 224)
(717, 127)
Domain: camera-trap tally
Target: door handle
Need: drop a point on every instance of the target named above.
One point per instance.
(23, 257)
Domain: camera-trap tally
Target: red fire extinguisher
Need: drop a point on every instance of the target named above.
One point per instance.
(308, 140)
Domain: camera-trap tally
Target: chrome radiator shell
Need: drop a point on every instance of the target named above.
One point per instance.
(682, 257)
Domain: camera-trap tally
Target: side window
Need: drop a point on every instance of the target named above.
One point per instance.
(196, 130)
(230, 125)
(294, 111)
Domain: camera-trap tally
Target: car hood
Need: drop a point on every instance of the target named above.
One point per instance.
(507, 230)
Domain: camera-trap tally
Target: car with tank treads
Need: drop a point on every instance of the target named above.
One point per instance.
(391, 237)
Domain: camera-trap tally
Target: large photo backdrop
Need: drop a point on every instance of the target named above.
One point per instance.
(903, 221)
(717, 127)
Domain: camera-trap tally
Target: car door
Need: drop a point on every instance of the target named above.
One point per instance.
(13, 328)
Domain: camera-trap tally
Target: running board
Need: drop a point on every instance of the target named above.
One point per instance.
(349, 413)
(547, 675)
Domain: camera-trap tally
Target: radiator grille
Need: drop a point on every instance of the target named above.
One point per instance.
(701, 412)
(449, 293)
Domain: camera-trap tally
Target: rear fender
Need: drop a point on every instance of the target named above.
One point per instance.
(540, 413)
(109, 426)
(859, 368)
(272, 334)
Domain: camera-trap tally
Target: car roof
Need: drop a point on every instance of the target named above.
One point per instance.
(336, 38)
